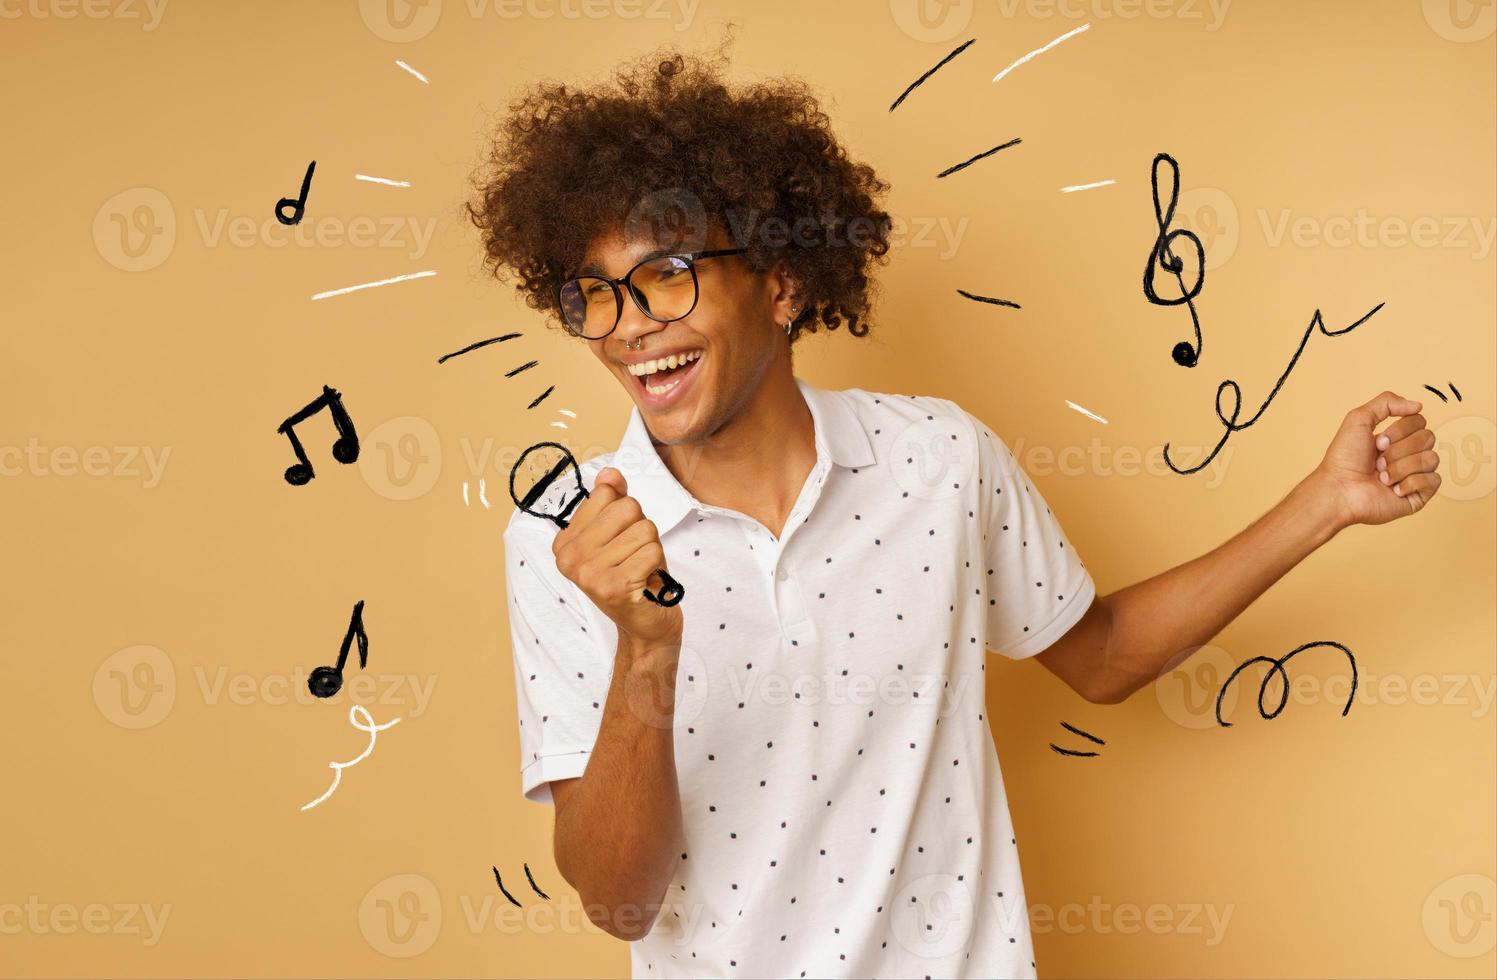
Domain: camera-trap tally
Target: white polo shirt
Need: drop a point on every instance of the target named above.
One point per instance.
(844, 811)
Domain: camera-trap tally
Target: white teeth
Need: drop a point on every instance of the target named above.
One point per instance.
(660, 389)
(660, 364)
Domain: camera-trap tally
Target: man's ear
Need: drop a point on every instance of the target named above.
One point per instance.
(786, 288)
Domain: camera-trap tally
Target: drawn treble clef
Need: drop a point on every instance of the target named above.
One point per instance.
(1164, 257)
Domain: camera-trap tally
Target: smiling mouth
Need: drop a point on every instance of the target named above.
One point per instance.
(661, 376)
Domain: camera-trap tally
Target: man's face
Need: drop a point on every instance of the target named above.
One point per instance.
(731, 337)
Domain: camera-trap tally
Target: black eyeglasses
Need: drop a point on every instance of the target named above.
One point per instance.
(664, 288)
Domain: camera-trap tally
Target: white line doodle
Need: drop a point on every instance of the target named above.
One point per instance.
(1040, 51)
(413, 72)
(1090, 415)
(371, 285)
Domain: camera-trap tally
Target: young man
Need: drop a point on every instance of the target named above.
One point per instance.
(788, 773)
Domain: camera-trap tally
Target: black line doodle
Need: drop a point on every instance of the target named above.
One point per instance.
(1441, 395)
(1316, 322)
(1075, 752)
(1163, 255)
(566, 501)
(298, 203)
(541, 397)
(986, 153)
(523, 367)
(345, 449)
(531, 878)
(989, 299)
(473, 347)
(325, 681)
(512, 900)
(1276, 666)
(921, 80)
(528, 877)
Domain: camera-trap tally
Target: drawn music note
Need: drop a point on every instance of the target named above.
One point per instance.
(1163, 255)
(345, 449)
(324, 682)
(297, 204)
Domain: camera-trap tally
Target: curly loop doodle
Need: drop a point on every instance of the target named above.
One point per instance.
(1276, 666)
(1229, 419)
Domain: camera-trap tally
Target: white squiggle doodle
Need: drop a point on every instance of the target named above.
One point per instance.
(481, 496)
(369, 726)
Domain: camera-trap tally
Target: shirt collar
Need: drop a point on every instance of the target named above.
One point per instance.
(840, 437)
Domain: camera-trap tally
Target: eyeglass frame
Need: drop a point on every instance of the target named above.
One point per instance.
(691, 260)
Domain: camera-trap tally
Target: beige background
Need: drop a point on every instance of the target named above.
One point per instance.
(160, 739)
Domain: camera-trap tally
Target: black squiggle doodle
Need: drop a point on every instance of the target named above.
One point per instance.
(1231, 423)
(1277, 667)
(921, 80)
(1163, 255)
(1074, 752)
(985, 153)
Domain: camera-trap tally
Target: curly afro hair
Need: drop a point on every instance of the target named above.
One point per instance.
(669, 145)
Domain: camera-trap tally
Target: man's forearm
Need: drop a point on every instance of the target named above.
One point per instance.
(619, 836)
(1156, 620)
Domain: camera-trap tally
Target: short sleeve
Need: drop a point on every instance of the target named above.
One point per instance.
(563, 664)
(1038, 586)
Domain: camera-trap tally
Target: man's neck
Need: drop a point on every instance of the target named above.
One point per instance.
(758, 462)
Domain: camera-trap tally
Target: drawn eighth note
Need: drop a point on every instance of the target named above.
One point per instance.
(325, 681)
(345, 450)
(1163, 256)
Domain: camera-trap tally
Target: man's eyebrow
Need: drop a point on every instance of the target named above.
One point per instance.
(593, 269)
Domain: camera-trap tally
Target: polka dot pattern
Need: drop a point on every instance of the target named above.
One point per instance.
(844, 810)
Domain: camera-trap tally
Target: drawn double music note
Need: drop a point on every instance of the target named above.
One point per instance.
(345, 449)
